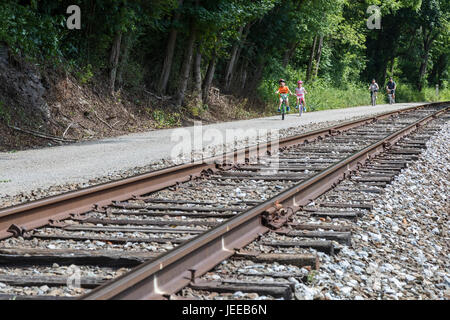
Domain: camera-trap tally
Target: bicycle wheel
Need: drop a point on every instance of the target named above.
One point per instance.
(300, 109)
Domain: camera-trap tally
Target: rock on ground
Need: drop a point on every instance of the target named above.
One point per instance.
(401, 250)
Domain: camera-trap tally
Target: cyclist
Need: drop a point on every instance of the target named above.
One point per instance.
(391, 86)
(300, 92)
(373, 87)
(284, 92)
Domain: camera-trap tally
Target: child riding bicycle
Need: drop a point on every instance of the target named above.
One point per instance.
(284, 92)
(300, 91)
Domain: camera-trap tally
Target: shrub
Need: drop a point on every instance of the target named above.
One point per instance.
(29, 33)
(133, 75)
(4, 114)
(166, 119)
(85, 75)
(408, 93)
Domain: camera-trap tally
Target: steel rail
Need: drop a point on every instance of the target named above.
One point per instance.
(16, 220)
(175, 269)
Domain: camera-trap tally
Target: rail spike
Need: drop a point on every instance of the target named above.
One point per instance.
(16, 230)
(100, 209)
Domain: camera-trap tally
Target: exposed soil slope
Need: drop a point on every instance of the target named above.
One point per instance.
(55, 108)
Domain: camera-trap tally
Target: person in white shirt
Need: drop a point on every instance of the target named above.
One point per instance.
(300, 92)
(373, 87)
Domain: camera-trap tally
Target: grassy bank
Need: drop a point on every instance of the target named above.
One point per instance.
(407, 93)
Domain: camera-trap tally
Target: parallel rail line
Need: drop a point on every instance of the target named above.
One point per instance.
(204, 233)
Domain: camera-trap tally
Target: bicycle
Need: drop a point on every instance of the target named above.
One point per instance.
(391, 98)
(301, 108)
(284, 107)
(373, 97)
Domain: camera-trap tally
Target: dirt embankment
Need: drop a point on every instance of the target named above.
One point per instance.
(43, 107)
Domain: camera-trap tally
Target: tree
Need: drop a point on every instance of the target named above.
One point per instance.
(170, 49)
(430, 16)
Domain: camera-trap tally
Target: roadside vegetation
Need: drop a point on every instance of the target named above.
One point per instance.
(166, 62)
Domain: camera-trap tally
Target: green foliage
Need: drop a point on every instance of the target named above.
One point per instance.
(323, 95)
(85, 75)
(269, 38)
(133, 75)
(311, 278)
(196, 111)
(242, 111)
(29, 33)
(408, 93)
(166, 119)
(5, 114)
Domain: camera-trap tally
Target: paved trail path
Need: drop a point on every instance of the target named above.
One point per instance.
(76, 163)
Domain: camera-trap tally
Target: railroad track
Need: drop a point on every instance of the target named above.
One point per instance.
(149, 236)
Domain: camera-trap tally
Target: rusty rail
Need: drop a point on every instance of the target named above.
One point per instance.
(18, 219)
(172, 271)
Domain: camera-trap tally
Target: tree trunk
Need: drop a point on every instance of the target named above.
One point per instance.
(114, 60)
(289, 53)
(198, 78)
(392, 65)
(422, 71)
(319, 56)
(427, 41)
(170, 49)
(186, 67)
(438, 67)
(311, 59)
(384, 68)
(123, 61)
(231, 62)
(209, 76)
(244, 76)
(256, 78)
(235, 56)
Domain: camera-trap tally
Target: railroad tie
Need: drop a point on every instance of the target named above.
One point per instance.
(274, 289)
(21, 257)
(347, 205)
(143, 212)
(109, 239)
(351, 215)
(143, 222)
(299, 260)
(319, 245)
(323, 226)
(341, 237)
(30, 281)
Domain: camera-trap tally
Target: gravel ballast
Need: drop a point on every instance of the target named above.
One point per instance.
(401, 250)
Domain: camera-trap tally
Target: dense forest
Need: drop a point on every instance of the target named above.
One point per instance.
(178, 50)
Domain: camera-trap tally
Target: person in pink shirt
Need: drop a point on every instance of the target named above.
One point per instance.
(300, 93)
